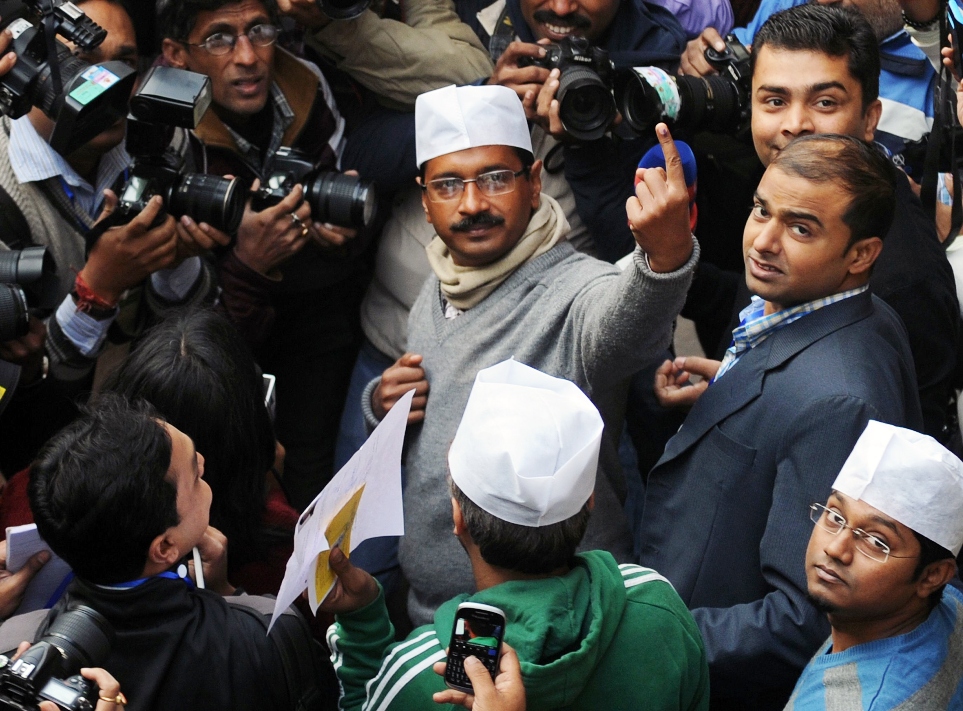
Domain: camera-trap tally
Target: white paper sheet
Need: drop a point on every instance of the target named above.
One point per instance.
(377, 468)
(22, 543)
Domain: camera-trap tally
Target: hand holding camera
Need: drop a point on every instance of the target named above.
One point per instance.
(694, 62)
(269, 237)
(516, 70)
(127, 254)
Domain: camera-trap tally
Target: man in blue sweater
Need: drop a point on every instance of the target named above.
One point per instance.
(879, 560)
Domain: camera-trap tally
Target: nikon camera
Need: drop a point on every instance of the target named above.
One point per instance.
(82, 99)
(648, 95)
(50, 669)
(344, 200)
(28, 280)
(585, 103)
(167, 99)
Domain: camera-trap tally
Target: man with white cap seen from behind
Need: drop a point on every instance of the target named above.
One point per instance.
(590, 634)
(507, 284)
(879, 560)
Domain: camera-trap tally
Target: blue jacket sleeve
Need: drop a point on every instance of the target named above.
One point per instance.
(382, 149)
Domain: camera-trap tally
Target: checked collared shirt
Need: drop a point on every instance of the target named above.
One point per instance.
(755, 327)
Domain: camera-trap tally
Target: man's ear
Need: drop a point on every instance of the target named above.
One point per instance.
(175, 53)
(535, 176)
(871, 119)
(457, 518)
(864, 254)
(934, 576)
(163, 552)
(424, 205)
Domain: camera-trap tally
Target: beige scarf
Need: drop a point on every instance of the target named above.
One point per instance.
(464, 287)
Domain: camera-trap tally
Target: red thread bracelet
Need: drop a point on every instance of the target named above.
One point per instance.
(87, 300)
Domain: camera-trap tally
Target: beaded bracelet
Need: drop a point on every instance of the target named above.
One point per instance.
(922, 26)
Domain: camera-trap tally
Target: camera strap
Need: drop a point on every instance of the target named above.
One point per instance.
(50, 25)
(503, 35)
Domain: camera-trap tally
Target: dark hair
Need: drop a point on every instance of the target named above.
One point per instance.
(527, 159)
(856, 166)
(176, 18)
(831, 30)
(99, 490)
(523, 549)
(930, 552)
(200, 375)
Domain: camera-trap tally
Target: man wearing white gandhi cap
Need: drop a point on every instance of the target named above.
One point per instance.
(506, 283)
(879, 560)
(589, 633)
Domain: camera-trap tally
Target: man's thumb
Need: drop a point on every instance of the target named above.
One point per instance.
(34, 564)
(481, 680)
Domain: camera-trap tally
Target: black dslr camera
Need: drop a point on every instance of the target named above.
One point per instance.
(585, 102)
(167, 99)
(50, 669)
(28, 279)
(344, 200)
(648, 95)
(82, 99)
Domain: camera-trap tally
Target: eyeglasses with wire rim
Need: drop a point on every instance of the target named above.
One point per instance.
(866, 543)
(495, 182)
(220, 43)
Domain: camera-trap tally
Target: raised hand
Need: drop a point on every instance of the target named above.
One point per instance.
(659, 211)
(694, 62)
(521, 80)
(354, 589)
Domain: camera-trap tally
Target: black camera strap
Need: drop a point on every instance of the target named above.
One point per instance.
(50, 25)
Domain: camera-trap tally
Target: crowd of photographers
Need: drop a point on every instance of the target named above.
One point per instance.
(234, 234)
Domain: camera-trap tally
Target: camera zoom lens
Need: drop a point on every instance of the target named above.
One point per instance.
(586, 106)
(708, 103)
(14, 317)
(344, 200)
(83, 635)
(208, 198)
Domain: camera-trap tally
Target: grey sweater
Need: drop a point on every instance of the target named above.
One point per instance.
(564, 313)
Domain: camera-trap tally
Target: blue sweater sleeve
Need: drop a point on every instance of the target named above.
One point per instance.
(382, 149)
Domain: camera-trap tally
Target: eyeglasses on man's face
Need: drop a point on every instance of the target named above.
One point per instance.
(496, 182)
(220, 43)
(869, 545)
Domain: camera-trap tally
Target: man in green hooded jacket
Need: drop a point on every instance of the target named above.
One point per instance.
(589, 633)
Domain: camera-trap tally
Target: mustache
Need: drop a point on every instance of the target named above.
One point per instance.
(484, 219)
(579, 22)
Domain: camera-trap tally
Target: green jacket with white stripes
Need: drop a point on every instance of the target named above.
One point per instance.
(602, 636)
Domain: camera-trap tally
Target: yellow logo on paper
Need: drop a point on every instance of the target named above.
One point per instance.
(338, 533)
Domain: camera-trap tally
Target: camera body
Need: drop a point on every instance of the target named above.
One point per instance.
(343, 200)
(586, 105)
(343, 9)
(28, 279)
(82, 99)
(171, 98)
(648, 95)
(49, 670)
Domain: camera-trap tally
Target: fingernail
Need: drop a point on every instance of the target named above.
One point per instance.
(187, 221)
(663, 131)
(44, 556)
(471, 661)
(541, 52)
(336, 555)
(329, 225)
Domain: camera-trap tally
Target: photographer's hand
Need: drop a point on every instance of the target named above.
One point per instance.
(27, 351)
(506, 693)
(14, 585)
(308, 13)
(405, 374)
(267, 239)
(109, 697)
(694, 62)
(354, 589)
(194, 239)
(659, 211)
(9, 59)
(126, 255)
(521, 80)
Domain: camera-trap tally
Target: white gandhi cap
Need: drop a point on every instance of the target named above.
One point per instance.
(527, 448)
(911, 478)
(454, 118)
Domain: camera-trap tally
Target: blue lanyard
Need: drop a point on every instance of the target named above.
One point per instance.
(166, 574)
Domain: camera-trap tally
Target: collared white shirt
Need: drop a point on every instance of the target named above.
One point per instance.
(33, 160)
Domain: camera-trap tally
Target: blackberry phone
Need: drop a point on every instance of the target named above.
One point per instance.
(478, 632)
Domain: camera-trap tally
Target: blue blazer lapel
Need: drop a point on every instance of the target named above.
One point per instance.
(744, 382)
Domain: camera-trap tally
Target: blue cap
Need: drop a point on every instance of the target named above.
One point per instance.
(654, 158)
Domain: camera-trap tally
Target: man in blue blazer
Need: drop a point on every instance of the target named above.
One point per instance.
(815, 358)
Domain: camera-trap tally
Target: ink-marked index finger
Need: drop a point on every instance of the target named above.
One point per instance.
(675, 175)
